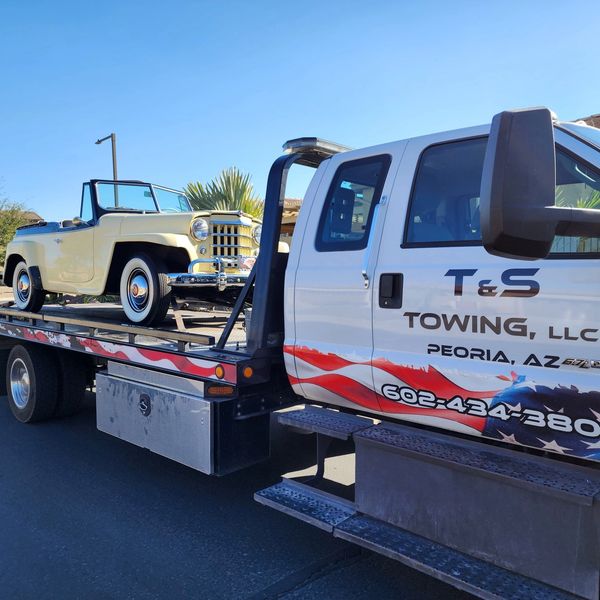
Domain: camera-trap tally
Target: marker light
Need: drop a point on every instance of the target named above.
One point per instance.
(220, 390)
(219, 371)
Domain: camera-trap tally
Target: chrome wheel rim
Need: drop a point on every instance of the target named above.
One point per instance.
(138, 290)
(23, 286)
(19, 383)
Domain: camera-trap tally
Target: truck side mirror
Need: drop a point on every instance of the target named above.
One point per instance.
(518, 185)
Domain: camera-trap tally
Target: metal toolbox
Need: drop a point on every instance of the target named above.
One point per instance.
(163, 413)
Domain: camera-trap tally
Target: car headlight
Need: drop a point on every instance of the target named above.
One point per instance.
(256, 233)
(199, 229)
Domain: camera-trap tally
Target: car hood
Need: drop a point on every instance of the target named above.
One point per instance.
(174, 222)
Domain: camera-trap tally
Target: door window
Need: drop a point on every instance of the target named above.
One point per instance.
(577, 185)
(444, 208)
(348, 210)
(444, 205)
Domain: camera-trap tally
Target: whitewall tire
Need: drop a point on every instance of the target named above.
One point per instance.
(144, 290)
(27, 296)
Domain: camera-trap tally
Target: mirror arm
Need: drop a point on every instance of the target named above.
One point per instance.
(584, 222)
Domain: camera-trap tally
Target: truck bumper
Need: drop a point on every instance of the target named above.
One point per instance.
(217, 279)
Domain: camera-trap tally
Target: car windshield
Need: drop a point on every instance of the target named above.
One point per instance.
(584, 132)
(125, 196)
(171, 200)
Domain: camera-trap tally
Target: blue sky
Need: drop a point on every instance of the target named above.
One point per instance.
(192, 87)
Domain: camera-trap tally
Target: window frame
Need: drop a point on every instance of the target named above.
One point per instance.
(345, 246)
(93, 220)
(101, 210)
(472, 243)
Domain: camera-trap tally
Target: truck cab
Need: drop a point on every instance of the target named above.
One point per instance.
(394, 307)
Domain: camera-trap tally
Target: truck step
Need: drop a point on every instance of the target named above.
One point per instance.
(576, 484)
(305, 503)
(328, 422)
(455, 568)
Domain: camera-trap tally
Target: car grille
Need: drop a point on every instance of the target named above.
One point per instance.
(231, 241)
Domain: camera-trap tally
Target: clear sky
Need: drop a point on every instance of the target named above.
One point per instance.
(192, 87)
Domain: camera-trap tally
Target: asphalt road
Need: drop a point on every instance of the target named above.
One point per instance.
(85, 515)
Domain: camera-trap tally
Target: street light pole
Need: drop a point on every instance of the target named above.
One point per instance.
(113, 143)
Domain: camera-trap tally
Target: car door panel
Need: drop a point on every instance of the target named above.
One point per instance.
(69, 255)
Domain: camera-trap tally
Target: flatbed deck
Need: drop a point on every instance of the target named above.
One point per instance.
(100, 329)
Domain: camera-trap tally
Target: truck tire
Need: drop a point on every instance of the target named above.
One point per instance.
(27, 295)
(72, 383)
(144, 290)
(32, 382)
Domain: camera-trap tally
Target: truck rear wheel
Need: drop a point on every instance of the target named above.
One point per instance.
(144, 290)
(27, 295)
(32, 383)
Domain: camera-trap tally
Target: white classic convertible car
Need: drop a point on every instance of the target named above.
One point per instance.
(138, 240)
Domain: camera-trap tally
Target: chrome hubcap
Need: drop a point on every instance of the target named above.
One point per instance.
(137, 290)
(23, 286)
(19, 383)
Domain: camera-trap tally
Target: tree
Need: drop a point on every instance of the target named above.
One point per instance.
(588, 199)
(12, 215)
(231, 190)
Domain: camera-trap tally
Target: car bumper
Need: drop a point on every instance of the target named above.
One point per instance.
(217, 279)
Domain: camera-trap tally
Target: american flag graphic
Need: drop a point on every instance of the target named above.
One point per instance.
(524, 406)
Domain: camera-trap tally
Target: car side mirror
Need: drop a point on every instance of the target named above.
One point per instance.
(518, 215)
(77, 221)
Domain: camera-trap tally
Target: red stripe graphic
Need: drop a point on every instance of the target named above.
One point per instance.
(326, 362)
(143, 356)
(345, 387)
(179, 363)
(426, 378)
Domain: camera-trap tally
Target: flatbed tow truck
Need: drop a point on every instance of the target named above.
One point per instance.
(472, 401)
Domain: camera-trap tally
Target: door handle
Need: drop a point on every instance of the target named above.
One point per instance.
(390, 290)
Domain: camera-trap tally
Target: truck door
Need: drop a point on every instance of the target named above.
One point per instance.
(332, 287)
(477, 343)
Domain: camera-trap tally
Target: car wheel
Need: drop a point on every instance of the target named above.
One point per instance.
(32, 382)
(144, 290)
(27, 296)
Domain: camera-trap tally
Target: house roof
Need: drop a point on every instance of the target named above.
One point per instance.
(291, 207)
(593, 120)
(32, 216)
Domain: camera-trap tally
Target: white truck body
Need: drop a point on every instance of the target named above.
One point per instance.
(481, 344)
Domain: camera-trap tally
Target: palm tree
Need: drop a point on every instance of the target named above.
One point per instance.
(589, 200)
(231, 190)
